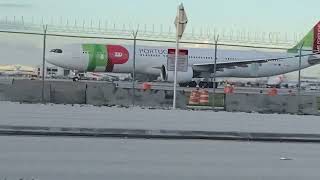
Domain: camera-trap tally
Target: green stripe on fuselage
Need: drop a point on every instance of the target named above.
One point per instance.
(97, 56)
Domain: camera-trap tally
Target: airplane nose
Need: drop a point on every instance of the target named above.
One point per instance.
(67, 61)
(56, 59)
(53, 59)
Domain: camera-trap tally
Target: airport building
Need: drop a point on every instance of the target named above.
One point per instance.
(53, 71)
(16, 70)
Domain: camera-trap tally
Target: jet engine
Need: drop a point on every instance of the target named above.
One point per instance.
(182, 76)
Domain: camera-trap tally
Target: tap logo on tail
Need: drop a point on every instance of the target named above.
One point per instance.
(316, 43)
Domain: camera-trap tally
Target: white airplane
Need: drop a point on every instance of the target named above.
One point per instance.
(152, 60)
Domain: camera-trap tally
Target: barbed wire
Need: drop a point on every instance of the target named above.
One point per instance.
(146, 40)
(106, 30)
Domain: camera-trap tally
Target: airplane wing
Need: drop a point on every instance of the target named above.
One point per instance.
(209, 67)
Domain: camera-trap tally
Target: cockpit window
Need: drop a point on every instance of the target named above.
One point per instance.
(56, 50)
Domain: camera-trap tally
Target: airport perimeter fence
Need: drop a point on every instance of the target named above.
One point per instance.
(52, 35)
(109, 94)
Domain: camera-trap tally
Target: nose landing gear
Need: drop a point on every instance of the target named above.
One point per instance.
(74, 79)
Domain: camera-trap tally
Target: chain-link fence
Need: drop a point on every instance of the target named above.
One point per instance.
(49, 35)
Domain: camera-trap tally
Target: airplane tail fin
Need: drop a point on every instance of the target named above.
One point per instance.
(311, 41)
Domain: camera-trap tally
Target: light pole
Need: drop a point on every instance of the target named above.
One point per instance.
(175, 71)
(216, 39)
(45, 27)
(180, 23)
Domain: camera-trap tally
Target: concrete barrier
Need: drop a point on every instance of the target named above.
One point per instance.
(97, 93)
(6, 81)
(272, 104)
(3, 90)
(26, 91)
(109, 94)
(67, 92)
(62, 92)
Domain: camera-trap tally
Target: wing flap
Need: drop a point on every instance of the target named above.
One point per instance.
(209, 67)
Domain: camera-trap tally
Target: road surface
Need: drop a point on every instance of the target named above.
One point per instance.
(96, 159)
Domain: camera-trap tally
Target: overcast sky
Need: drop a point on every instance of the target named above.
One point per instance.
(267, 15)
(286, 16)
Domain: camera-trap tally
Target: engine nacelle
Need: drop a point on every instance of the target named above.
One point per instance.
(182, 76)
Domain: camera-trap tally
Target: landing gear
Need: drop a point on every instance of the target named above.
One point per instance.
(216, 84)
(75, 79)
(203, 84)
(188, 84)
(206, 84)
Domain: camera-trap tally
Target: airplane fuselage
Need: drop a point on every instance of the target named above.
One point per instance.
(119, 59)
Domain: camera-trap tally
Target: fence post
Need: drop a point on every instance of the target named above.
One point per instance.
(45, 27)
(86, 94)
(216, 39)
(299, 78)
(134, 33)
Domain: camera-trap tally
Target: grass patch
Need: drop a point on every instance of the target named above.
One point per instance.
(218, 100)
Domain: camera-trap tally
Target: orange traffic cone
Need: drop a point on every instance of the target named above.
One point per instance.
(194, 98)
(232, 89)
(146, 86)
(273, 92)
(228, 89)
(204, 97)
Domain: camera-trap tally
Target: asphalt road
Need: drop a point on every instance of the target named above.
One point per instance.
(96, 159)
(53, 158)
